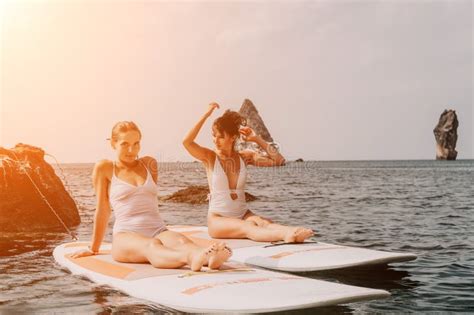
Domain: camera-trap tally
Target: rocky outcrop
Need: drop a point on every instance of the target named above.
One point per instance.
(195, 195)
(254, 121)
(446, 135)
(21, 206)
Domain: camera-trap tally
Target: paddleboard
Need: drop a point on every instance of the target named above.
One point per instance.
(236, 288)
(304, 257)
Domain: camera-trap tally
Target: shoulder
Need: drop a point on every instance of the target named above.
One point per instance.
(151, 164)
(148, 159)
(209, 154)
(103, 169)
(210, 159)
(103, 165)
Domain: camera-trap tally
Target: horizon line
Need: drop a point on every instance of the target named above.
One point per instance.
(295, 161)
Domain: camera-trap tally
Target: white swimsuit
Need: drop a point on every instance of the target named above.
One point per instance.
(136, 207)
(220, 200)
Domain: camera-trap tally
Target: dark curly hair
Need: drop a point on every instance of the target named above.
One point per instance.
(230, 123)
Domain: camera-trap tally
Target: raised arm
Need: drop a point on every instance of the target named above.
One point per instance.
(273, 158)
(200, 153)
(102, 212)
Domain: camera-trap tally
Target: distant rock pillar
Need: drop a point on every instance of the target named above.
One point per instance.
(446, 135)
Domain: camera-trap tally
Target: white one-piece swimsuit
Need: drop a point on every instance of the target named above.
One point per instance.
(220, 200)
(136, 207)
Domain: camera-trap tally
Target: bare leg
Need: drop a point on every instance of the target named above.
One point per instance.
(294, 233)
(135, 248)
(255, 228)
(222, 227)
(177, 240)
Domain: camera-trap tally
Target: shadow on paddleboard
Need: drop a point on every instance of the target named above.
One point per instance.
(383, 277)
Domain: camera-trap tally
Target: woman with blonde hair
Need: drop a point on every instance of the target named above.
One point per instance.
(128, 185)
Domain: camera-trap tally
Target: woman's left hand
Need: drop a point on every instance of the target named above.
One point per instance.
(248, 134)
(82, 253)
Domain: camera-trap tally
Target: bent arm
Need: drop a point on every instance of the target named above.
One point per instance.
(201, 153)
(273, 158)
(103, 210)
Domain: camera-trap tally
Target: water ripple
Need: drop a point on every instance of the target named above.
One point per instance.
(425, 207)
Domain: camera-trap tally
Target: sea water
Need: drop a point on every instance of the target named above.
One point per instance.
(422, 207)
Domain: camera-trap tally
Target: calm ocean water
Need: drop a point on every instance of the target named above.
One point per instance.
(424, 207)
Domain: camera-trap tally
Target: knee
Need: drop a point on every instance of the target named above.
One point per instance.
(183, 240)
(259, 221)
(154, 244)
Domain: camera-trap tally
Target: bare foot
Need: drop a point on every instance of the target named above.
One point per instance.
(197, 259)
(297, 234)
(290, 236)
(302, 234)
(223, 254)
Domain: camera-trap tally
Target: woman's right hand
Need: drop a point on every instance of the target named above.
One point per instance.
(248, 134)
(82, 253)
(212, 107)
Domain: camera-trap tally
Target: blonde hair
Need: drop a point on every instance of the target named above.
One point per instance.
(123, 126)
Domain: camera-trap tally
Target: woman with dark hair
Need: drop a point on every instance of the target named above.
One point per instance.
(226, 168)
(129, 186)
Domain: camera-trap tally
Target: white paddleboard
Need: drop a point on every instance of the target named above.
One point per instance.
(237, 288)
(304, 257)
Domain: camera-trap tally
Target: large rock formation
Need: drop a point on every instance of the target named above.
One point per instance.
(195, 195)
(254, 121)
(446, 135)
(21, 206)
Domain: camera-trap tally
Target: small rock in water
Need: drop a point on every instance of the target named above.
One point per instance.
(196, 195)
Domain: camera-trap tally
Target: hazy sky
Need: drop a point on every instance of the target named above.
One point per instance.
(333, 80)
